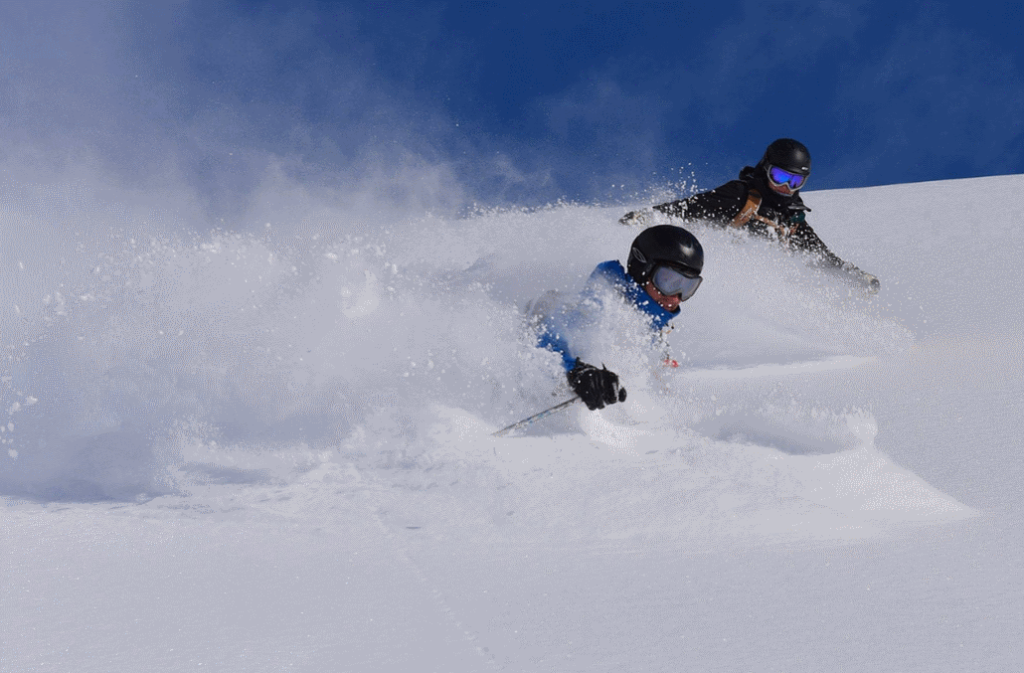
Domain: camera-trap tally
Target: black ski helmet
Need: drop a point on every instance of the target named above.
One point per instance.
(788, 154)
(664, 244)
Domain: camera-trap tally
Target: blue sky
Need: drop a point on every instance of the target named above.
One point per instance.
(521, 102)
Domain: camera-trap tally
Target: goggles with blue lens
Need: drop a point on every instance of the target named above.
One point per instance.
(670, 280)
(780, 177)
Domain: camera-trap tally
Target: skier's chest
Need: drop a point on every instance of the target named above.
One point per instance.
(760, 216)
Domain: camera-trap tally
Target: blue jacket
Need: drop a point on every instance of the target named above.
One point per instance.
(558, 329)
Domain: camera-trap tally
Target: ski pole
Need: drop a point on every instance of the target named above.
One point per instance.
(536, 417)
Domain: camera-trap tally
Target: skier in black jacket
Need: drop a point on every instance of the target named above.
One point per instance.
(764, 201)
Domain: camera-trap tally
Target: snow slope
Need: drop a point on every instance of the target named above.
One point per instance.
(271, 450)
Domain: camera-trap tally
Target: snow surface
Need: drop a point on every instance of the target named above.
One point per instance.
(271, 450)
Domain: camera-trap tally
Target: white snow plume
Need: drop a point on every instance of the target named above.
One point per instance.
(164, 360)
(143, 347)
(760, 304)
(764, 433)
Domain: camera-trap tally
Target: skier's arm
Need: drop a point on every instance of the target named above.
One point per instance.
(718, 206)
(804, 238)
(560, 329)
(553, 341)
(596, 387)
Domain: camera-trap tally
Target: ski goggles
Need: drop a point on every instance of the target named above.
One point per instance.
(780, 176)
(670, 280)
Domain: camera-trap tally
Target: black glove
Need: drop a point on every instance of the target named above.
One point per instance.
(596, 387)
(872, 283)
(638, 218)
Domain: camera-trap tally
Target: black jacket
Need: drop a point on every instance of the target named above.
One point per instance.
(752, 204)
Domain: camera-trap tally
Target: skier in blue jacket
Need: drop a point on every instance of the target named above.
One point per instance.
(663, 270)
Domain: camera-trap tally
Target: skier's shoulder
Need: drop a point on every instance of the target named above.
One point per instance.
(611, 277)
(734, 189)
(612, 267)
(611, 270)
(748, 176)
(718, 204)
(612, 273)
